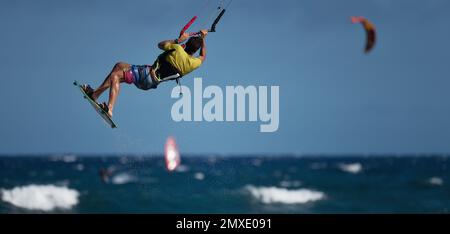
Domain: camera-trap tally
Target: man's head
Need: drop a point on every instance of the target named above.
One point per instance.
(193, 44)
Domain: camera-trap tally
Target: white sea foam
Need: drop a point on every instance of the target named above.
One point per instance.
(353, 168)
(257, 162)
(123, 178)
(79, 167)
(436, 181)
(69, 158)
(212, 160)
(182, 168)
(199, 176)
(269, 195)
(287, 183)
(41, 197)
(62, 183)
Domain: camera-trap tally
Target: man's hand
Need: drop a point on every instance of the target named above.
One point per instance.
(183, 37)
(202, 56)
(204, 33)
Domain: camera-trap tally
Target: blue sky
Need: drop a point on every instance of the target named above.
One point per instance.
(334, 99)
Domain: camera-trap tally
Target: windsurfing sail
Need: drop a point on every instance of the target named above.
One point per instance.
(371, 32)
(171, 154)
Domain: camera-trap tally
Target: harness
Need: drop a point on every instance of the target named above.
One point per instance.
(165, 71)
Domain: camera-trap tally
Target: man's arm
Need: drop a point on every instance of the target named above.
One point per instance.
(203, 49)
(182, 38)
(163, 44)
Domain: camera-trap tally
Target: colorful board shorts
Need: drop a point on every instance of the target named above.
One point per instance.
(139, 75)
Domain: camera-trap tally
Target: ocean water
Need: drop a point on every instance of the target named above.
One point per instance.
(217, 184)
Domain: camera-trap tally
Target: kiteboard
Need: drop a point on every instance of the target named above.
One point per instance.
(97, 108)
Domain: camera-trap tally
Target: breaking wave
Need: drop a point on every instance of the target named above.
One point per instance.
(353, 168)
(269, 195)
(436, 181)
(199, 176)
(41, 197)
(123, 178)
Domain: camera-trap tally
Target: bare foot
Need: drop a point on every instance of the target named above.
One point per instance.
(110, 111)
(90, 92)
(107, 109)
(94, 97)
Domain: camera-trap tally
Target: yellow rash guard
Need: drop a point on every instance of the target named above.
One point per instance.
(181, 60)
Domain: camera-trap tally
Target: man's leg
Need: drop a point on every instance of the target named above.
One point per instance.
(112, 82)
(114, 89)
(118, 68)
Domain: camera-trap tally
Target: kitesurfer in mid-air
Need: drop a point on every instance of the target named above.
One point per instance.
(175, 62)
